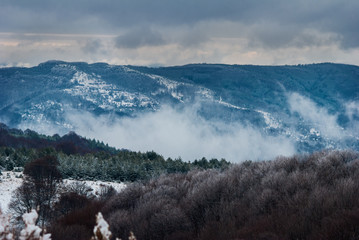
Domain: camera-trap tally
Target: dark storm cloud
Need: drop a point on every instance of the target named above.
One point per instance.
(118, 13)
(281, 36)
(268, 23)
(139, 37)
(192, 37)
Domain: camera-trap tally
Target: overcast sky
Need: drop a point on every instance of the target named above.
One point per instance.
(166, 32)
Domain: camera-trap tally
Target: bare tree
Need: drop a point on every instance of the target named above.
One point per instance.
(39, 189)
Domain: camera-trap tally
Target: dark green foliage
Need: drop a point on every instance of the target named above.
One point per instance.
(127, 166)
(123, 166)
(213, 163)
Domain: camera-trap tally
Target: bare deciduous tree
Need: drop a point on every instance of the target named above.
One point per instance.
(39, 189)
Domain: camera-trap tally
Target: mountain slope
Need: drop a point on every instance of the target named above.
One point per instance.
(316, 106)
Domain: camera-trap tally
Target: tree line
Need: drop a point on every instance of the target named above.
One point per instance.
(124, 166)
(85, 159)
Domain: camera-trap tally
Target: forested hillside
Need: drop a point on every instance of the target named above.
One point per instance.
(82, 158)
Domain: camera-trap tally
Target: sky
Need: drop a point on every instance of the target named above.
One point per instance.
(167, 32)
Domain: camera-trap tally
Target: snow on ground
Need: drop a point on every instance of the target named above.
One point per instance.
(97, 185)
(10, 181)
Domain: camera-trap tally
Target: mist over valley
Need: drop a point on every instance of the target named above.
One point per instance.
(236, 112)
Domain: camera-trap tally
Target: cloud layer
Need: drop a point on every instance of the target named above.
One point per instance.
(317, 116)
(175, 133)
(179, 32)
(183, 133)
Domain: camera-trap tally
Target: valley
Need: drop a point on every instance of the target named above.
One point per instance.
(310, 107)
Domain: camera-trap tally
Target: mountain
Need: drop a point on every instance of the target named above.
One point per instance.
(315, 106)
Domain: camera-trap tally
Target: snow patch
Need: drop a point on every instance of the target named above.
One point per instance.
(10, 181)
(170, 85)
(101, 230)
(315, 132)
(220, 101)
(97, 186)
(270, 121)
(107, 96)
(206, 93)
(31, 231)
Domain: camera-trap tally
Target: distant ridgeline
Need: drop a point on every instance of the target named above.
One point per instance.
(315, 106)
(81, 158)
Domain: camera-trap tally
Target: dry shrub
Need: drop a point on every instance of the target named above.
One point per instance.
(77, 224)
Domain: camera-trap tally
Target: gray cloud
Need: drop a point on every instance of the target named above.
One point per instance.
(92, 46)
(139, 37)
(352, 112)
(191, 37)
(277, 21)
(282, 36)
(175, 133)
(319, 117)
(180, 32)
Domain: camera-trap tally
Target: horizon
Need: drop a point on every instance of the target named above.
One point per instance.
(186, 64)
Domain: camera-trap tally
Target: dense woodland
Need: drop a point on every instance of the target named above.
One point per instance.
(301, 197)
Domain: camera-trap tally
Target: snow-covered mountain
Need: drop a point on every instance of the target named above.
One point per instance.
(316, 106)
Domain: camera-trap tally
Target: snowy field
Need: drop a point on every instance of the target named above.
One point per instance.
(10, 181)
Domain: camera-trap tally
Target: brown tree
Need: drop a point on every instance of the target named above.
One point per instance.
(39, 189)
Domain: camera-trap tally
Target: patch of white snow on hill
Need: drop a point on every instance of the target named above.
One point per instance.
(10, 181)
(97, 186)
(170, 85)
(315, 132)
(107, 96)
(220, 101)
(206, 93)
(270, 121)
